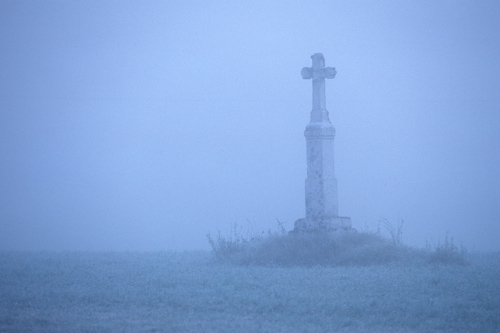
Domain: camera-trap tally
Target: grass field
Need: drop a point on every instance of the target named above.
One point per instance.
(186, 292)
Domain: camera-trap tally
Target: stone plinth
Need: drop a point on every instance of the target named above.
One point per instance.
(321, 184)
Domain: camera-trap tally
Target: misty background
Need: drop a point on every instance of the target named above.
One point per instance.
(134, 125)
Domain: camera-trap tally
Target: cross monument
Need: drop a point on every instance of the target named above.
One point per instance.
(321, 185)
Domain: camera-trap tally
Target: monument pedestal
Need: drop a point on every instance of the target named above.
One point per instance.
(327, 224)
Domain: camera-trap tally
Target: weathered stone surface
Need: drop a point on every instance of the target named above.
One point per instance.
(321, 184)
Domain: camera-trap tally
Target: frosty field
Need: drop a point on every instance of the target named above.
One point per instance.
(178, 292)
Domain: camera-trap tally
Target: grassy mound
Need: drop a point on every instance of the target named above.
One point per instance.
(338, 249)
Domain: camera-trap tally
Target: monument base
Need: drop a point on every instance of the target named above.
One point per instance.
(327, 224)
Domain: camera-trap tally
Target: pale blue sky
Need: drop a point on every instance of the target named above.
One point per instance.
(132, 125)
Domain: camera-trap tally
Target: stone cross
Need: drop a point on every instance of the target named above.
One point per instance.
(321, 184)
(318, 72)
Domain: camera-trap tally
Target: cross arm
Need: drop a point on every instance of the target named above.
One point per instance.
(307, 73)
(318, 73)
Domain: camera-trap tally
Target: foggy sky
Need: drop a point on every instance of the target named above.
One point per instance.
(145, 125)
